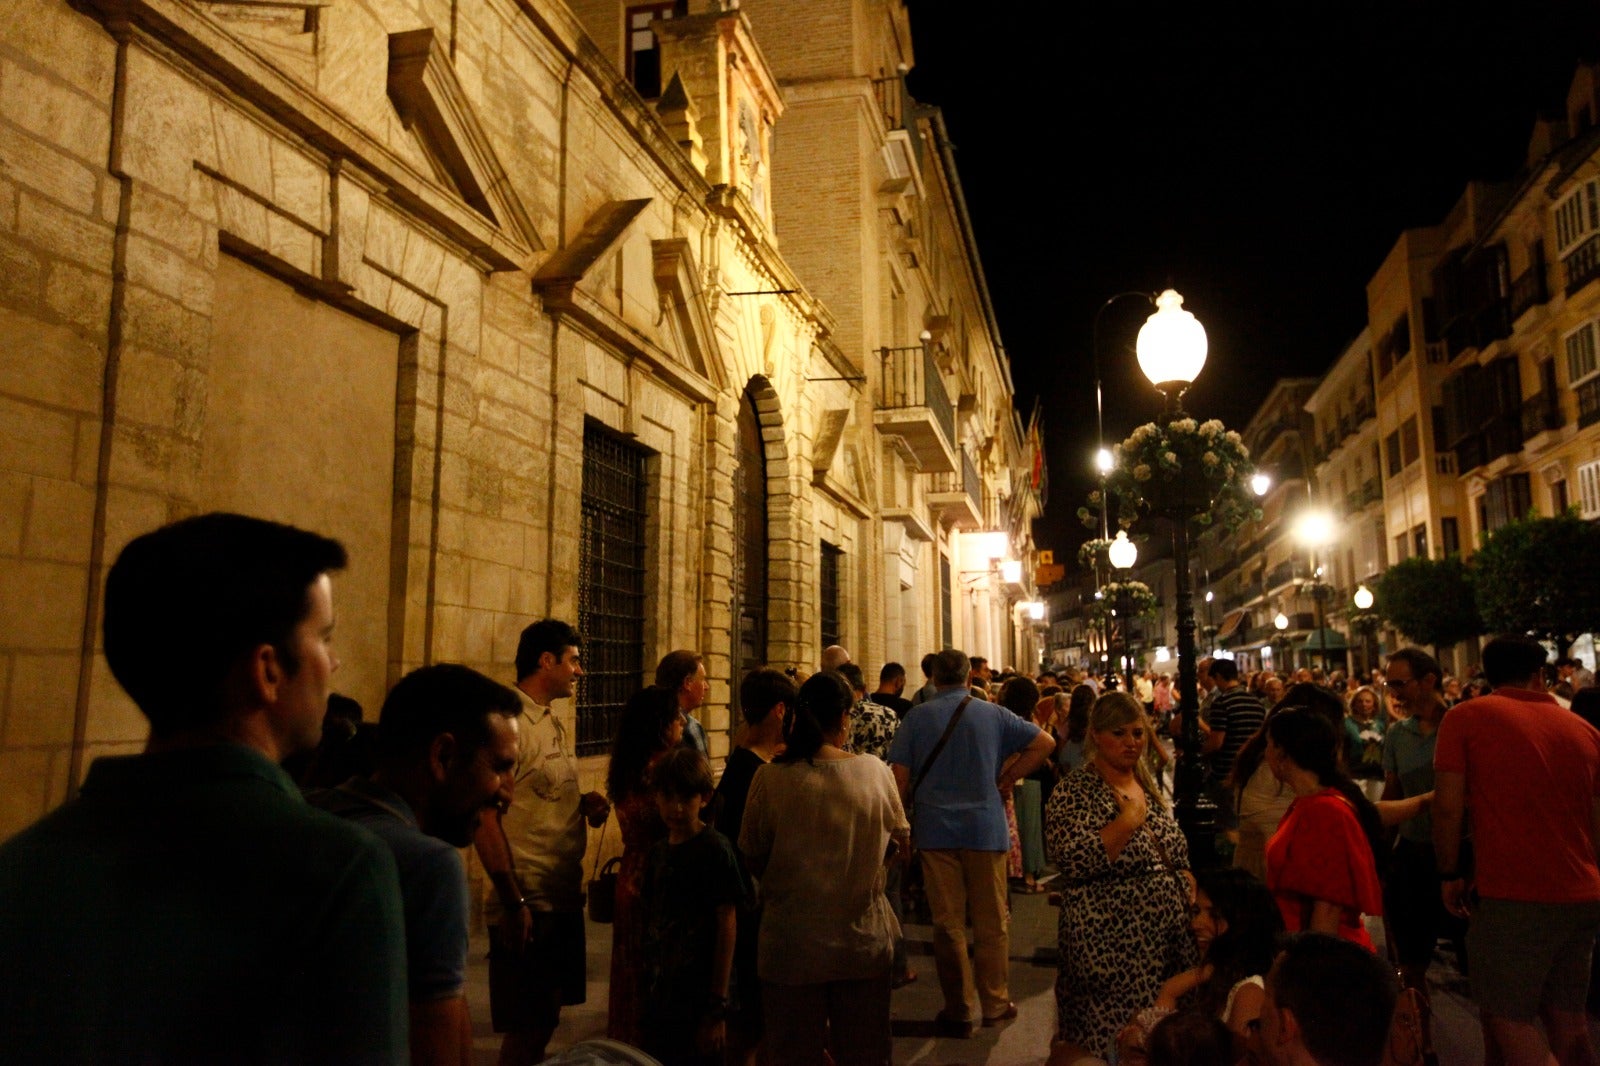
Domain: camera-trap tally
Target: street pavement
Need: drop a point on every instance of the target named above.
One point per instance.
(1023, 1042)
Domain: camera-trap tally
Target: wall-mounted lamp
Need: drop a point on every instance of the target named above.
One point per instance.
(1011, 571)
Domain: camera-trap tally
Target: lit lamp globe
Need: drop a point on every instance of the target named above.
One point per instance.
(1171, 345)
(1260, 483)
(1363, 599)
(1314, 528)
(1281, 621)
(1103, 461)
(1123, 552)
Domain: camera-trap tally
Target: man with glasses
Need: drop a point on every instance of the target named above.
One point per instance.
(1411, 890)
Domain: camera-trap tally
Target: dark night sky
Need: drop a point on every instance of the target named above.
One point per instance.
(1261, 159)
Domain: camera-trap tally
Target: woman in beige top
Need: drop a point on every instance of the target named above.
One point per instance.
(818, 826)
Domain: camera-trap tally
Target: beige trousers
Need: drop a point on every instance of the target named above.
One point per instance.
(959, 883)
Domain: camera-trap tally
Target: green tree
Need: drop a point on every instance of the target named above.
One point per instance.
(1541, 576)
(1431, 601)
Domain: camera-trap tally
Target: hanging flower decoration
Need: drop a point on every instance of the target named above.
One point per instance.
(1092, 553)
(1367, 622)
(1124, 598)
(1199, 467)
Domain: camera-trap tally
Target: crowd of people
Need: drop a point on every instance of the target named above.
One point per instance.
(273, 880)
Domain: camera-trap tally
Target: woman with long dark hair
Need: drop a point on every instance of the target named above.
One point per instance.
(1322, 863)
(1025, 804)
(1262, 799)
(1069, 753)
(651, 725)
(1236, 927)
(817, 830)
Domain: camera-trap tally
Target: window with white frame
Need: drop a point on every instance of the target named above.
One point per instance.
(1589, 489)
(1577, 216)
(1582, 363)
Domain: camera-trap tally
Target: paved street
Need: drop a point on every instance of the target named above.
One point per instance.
(1022, 1042)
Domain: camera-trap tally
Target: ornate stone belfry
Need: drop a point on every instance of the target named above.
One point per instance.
(716, 69)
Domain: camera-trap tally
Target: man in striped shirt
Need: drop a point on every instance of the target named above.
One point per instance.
(1235, 716)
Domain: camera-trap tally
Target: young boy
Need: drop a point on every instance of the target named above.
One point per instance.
(691, 892)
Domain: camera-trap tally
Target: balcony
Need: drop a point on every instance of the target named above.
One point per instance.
(1541, 413)
(1285, 573)
(1369, 491)
(1501, 435)
(1582, 265)
(958, 497)
(1528, 290)
(1589, 403)
(1364, 410)
(913, 405)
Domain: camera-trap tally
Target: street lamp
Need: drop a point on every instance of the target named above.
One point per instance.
(1172, 351)
(1363, 599)
(1123, 554)
(1260, 483)
(1314, 529)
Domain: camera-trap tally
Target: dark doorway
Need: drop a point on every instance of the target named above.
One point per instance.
(750, 545)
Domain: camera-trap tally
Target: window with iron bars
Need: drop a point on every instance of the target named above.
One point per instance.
(828, 593)
(611, 583)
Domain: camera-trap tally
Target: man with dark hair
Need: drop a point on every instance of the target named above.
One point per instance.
(446, 748)
(766, 696)
(1574, 672)
(1530, 773)
(1411, 884)
(1235, 716)
(1328, 1003)
(533, 854)
(981, 674)
(684, 673)
(928, 689)
(188, 905)
(960, 830)
(891, 685)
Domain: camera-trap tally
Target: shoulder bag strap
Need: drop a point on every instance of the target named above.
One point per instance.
(938, 749)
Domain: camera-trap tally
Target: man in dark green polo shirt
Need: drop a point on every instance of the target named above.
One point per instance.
(188, 905)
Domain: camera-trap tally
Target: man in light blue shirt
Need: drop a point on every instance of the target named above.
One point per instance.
(959, 827)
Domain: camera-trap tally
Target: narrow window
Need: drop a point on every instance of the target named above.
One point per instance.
(828, 594)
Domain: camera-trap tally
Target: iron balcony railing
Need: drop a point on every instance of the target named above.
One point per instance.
(911, 379)
(1541, 412)
(1528, 290)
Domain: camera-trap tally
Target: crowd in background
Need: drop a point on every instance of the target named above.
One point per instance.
(214, 912)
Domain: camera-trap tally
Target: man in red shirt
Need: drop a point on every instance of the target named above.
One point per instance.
(1528, 771)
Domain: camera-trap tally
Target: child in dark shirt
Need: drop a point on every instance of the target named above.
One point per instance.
(690, 896)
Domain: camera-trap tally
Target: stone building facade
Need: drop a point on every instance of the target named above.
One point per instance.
(434, 278)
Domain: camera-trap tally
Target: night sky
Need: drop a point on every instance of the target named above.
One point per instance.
(1260, 159)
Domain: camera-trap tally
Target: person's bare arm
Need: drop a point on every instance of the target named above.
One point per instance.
(1116, 833)
(714, 1030)
(1391, 812)
(1449, 811)
(1027, 760)
(494, 851)
(441, 1032)
(1325, 917)
(1391, 787)
(902, 779)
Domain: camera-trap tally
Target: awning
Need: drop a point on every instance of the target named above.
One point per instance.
(1230, 623)
(1324, 639)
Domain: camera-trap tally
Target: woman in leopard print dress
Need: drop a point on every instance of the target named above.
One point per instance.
(1124, 926)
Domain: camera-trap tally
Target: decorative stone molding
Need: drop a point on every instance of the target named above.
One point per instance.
(430, 99)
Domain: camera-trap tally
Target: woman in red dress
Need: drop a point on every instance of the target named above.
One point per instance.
(1322, 861)
(651, 726)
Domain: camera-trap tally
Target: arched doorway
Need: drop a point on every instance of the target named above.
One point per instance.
(749, 543)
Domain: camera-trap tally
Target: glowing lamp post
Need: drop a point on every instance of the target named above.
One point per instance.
(1123, 554)
(1315, 530)
(1172, 351)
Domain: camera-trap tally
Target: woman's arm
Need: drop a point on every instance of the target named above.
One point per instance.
(1116, 834)
(1393, 812)
(1325, 917)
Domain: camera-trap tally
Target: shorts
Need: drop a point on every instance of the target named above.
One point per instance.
(528, 989)
(1528, 956)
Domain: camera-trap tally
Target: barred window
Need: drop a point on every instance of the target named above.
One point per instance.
(611, 596)
(828, 594)
(946, 630)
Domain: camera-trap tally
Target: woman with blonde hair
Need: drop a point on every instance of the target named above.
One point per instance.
(1124, 925)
